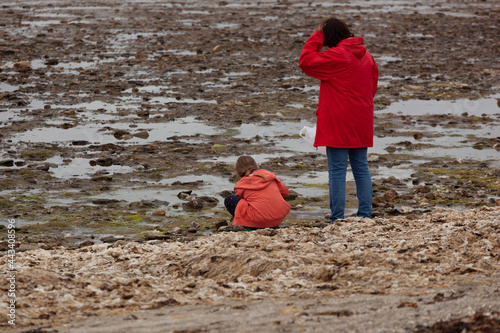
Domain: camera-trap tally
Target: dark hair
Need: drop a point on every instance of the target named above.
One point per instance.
(335, 30)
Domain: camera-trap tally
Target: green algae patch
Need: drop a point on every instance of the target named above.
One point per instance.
(7, 184)
(40, 154)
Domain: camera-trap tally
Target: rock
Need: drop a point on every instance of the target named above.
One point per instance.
(391, 180)
(80, 143)
(209, 201)
(422, 189)
(292, 195)
(102, 178)
(143, 113)
(266, 232)
(156, 237)
(148, 204)
(226, 193)
(221, 223)
(193, 204)
(159, 212)
(193, 227)
(105, 201)
(391, 149)
(430, 196)
(406, 210)
(112, 239)
(373, 158)
(68, 235)
(43, 167)
(391, 195)
(195, 183)
(141, 56)
(67, 125)
(418, 136)
(86, 243)
(176, 230)
(7, 163)
(27, 247)
(142, 135)
(51, 62)
(183, 195)
(106, 162)
(238, 228)
(23, 66)
(478, 146)
(122, 135)
(226, 228)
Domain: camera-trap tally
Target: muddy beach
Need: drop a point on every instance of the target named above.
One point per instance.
(121, 122)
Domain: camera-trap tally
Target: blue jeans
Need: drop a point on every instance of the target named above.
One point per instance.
(337, 170)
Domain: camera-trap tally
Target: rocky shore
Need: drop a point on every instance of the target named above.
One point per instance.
(445, 255)
(121, 122)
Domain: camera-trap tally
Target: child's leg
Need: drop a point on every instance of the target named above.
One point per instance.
(231, 201)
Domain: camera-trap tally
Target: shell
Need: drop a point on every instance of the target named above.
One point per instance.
(382, 255)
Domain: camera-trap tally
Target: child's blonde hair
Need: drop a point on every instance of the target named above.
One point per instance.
(245, 165)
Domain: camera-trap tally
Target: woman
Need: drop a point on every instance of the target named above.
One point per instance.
(349, 77)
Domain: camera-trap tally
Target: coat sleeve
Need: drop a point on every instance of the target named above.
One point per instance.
(238, 192)
(375, 77)
(282, 187)
(313, 62)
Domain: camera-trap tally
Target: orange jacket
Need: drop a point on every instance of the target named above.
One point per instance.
(262, 204)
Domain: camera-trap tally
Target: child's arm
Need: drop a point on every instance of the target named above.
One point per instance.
(238, 192)
(282, 187)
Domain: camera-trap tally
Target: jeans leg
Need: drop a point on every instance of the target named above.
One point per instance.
(337, 169)
(231, 201)
(364, 191)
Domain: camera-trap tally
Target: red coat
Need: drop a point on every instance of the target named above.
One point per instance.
(349, 77)
(262, 204)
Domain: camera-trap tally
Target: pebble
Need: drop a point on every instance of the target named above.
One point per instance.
(159, 212)
(142, 135)
(23, 66)
(221, 223)
(176, 230)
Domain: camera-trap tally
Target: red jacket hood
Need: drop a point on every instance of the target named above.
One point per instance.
(354, 45)
(253, 182)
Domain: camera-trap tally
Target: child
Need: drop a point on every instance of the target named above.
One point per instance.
(259, 197)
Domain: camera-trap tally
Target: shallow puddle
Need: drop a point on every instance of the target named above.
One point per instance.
(81, 168)
(487, 106)
(95, 134)
(208, 185)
